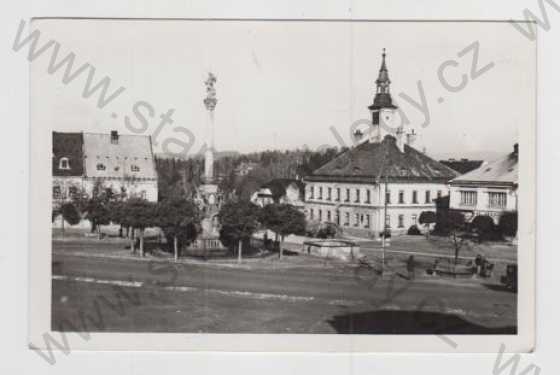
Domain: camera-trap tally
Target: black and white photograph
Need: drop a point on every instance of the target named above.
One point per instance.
(281, 177)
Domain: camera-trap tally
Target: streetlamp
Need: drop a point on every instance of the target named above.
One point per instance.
(384, 230)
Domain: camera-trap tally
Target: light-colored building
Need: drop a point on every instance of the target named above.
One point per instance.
(489, 190)
(281, 190)
(122, 163)
(381, 180)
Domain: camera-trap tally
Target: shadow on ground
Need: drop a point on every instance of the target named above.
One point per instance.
(411, 322)
(500, 288)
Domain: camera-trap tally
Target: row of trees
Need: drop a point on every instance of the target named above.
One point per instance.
(241, 219)
(177, 217)
(482, 225)
(453, 224)
(182, 177)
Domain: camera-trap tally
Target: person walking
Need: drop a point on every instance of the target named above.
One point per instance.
(478, 263)
(410, 267)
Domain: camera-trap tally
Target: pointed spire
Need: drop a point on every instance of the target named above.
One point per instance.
(383, 65)
(383, 80)
(382, 97)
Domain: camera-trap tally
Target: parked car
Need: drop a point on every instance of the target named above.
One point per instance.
(510, 278)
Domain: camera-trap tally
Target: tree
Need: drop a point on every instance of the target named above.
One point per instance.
(456, 225)
(139, 214)
(178, 218)
(283, 219)
(484, 226)
(238, 220)
(508, 224)
(426, 218)
(98, 213)
(118, 215)
(228, 184)
(70, 214)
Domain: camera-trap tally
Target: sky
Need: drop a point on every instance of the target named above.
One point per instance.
(286, 85)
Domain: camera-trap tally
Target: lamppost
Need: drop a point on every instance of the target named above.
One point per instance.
(384, 230)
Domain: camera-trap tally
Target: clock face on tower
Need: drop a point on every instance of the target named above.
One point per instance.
(387, 117)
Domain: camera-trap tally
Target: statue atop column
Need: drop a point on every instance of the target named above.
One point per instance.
(210, 101)
(208, 195)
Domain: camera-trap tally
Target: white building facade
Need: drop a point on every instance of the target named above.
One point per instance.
(123, 164)
(281, 190)
(360, 207)
(488, 190)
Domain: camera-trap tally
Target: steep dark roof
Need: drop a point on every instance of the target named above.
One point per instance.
(373, 162)
(67, 145)
(278, 187)
(462, 166)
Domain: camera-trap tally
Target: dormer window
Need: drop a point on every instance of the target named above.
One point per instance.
(64, 163)
(135, 168)
(100, 166)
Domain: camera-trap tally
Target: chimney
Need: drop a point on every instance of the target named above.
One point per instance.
(400, 140)
(114, 137)
(411, 137)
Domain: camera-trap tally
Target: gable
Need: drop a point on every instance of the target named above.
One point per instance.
(68, 146)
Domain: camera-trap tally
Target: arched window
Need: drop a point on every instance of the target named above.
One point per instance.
(64, 163)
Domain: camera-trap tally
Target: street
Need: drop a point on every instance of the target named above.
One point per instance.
(110, 294)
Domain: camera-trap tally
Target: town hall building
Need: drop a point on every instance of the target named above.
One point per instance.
(381, 181)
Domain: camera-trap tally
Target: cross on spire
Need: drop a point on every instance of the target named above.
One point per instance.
(382, 97)
(383, 80)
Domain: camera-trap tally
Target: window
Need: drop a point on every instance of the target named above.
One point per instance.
(134, 168)
(64, 163)
(414, 197)
(57, 192)
(320, 215)
(388, 196)
(338, 194)
(497, 200)
(347, 219)
(357, 196)
(367, 221)
(401, 196)
(428, 196)
(320, 193)
(311, 189)
(356, 220)
(100, 166)
(311, 213)
(329, 191)
(401, 221)
(439, 193)
(72, 191)
(328, 216)
(388, 221)
(347, 199)
(468, 198)
(368, 196)
(414, 219)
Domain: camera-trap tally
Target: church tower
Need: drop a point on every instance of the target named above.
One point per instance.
(382, 110)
